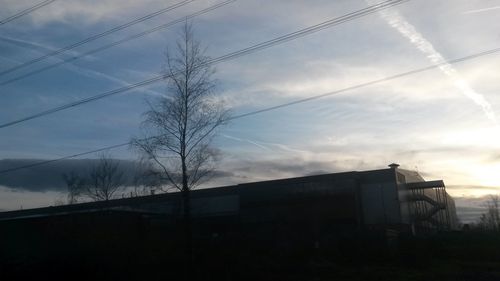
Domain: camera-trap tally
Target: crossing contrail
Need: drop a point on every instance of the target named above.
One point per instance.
(481, 10)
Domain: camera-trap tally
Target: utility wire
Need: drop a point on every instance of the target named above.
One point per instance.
(358, 86)
(63, 158)
(102, 48)
(26, 11)
(97, 36)
(366, 84)
(236, 54)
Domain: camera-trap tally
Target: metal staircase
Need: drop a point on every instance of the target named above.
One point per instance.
(428, 205)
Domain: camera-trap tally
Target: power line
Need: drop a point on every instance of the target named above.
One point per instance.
(97, 36)
(271, 108)
(63, 158)
(233, 55)
(366, 84)
(26, 11)
(135, 36)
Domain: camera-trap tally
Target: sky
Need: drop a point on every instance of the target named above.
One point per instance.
(443, 122)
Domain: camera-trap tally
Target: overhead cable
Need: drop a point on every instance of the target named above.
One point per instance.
(97, 36)
(107, 46)
(233, 55)
(271, 108)
(26, 11)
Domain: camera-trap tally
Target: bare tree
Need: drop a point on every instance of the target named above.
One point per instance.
(491, 219)
(74, 186)
(146, 180)
(181, 125)
(104, 179)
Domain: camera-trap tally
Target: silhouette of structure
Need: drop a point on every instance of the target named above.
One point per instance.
(391, 198)
(287, 220)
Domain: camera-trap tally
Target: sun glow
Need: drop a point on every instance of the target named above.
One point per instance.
(487, 175)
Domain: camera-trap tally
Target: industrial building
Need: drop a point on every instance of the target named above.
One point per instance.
(236, 229)
(390, 198)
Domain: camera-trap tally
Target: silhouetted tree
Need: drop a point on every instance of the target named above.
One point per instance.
(146, 180)
(104, 179)
(491, 219)
(74, 186)
(181, 125)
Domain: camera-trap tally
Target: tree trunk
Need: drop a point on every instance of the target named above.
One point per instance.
(188, 235)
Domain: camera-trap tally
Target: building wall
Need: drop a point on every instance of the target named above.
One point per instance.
(380, 203)
(376, 197)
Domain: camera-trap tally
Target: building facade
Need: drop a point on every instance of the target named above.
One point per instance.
(392, 198)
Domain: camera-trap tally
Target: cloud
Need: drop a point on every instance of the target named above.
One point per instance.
(49, 177)
(85, 12)
(395, 20)
(323, 74)
(492, 189)
(257, 170)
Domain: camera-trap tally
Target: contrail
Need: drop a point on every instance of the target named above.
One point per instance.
(247, 141)
(32, 45)
(481, 10)
(283, 147)
(73, 67)
(395, 20)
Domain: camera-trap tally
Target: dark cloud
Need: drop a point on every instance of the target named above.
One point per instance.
(272, 169)
(49, 177)
(221, 174)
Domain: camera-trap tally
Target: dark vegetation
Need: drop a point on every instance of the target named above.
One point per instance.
(113, 245)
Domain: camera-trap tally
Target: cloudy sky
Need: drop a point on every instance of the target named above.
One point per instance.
(443, 122)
